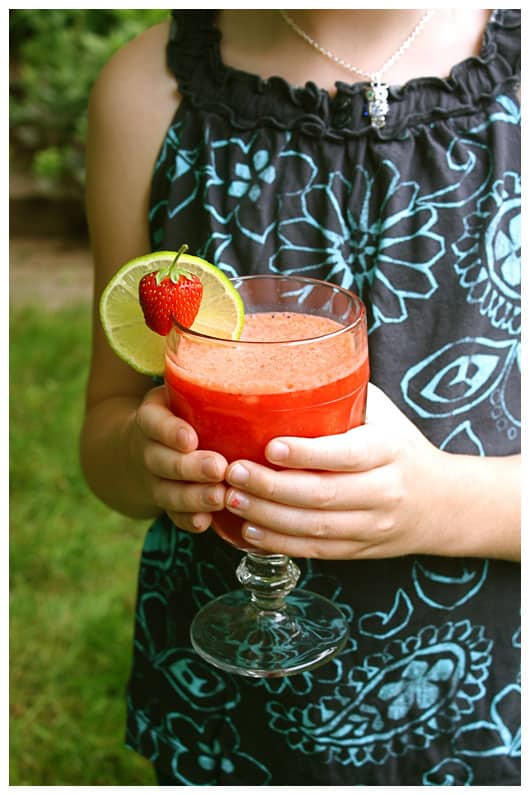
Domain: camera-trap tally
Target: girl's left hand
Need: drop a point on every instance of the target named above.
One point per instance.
(367, 493)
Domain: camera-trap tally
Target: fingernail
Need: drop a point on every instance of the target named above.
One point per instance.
(238, 475)
(199, 522)
(277, 451)
(252, 533)
(238, 501)
(213, 498)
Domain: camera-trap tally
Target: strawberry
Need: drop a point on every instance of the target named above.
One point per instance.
(170, 293)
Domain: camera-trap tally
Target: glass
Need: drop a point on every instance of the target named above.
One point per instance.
(309, 380)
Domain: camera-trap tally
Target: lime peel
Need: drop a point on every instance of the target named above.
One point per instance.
(220, 314)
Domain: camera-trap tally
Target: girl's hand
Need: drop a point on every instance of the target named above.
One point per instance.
(366, 493)
(185, 482)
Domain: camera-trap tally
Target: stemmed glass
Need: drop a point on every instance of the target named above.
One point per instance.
(300, 369)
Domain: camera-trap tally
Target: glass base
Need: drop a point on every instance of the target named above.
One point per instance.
(236, 635)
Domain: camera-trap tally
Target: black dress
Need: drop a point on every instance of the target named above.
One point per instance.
(422, 219)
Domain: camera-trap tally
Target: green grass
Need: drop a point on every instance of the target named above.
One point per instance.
(73, 566)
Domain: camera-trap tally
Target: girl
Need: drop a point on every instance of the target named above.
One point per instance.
(355, 146)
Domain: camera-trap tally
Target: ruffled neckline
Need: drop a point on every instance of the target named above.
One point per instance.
(194, 57)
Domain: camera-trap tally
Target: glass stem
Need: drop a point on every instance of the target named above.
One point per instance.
(268, 579)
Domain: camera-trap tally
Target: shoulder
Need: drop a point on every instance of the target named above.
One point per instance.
(131, 106)
(135, 83)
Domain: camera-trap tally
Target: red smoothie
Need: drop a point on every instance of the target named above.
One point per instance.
(240, 396)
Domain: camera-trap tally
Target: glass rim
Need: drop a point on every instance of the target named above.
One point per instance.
(356, 301)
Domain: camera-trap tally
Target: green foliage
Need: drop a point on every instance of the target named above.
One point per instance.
(55, 57)
(73, 569)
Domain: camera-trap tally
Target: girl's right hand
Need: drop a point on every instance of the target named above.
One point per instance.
(183, 481)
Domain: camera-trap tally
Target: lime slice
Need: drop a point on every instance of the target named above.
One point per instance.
(220, 313)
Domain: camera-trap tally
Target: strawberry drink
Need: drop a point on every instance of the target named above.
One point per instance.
(239, 397)
(300, 368)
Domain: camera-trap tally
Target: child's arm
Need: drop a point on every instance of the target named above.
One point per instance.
(137, 457)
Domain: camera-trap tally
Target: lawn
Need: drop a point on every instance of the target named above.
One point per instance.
(73, 566)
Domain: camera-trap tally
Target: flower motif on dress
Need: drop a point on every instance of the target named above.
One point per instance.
(241, 188)
(182, 165)
(247, 188)
(418, 688)
(365, 244)
(404, 698)
(489, 254)
(209, 754)
(248, 177)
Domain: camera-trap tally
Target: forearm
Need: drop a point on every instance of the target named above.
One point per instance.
(475, 507)
(107, 458)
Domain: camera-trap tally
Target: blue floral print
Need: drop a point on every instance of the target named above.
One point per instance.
(365, 245)
(403, 698)
(489, 254)
(248, 178)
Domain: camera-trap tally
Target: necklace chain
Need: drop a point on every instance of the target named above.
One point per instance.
(377, 94)
(372, 76)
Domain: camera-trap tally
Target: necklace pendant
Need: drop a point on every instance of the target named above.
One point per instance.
(377, 97)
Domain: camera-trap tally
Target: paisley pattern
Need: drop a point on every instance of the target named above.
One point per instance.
(423, 220)
(397, 700)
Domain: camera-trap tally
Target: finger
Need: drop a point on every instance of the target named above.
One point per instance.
(302, 522)
(269, 541)
(157, 422)
(359, 449)
(174, 497)
(331, 490)
(191, 522)
(200, 466)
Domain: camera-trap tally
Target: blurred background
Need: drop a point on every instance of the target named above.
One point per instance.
(73, 563)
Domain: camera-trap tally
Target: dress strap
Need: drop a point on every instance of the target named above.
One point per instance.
(193, 46)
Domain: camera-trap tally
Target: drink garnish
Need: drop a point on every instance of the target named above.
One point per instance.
(220, 310)
(170, 293)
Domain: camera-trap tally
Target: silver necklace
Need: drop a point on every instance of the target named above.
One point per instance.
(377, 92)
